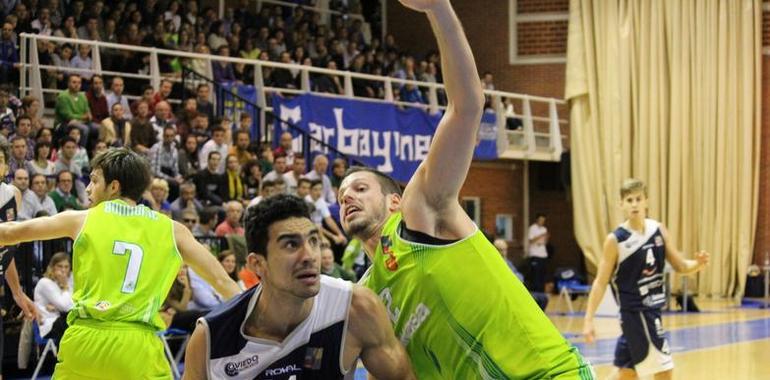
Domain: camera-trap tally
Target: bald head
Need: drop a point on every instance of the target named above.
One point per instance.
(21, 179)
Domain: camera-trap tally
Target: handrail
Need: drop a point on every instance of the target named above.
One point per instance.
(31, 82)
(314, 9)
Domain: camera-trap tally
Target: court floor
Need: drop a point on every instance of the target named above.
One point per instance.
(723, 341)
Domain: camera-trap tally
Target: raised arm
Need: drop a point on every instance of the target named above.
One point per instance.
(65, 224)
(603, 273)
(369, 328)
(678, 262)
(203, 262)
(195, 356)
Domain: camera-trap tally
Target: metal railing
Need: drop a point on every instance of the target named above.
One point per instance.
(540, 137)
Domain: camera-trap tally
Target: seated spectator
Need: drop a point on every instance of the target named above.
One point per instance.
(280, 77)
(97, 101)
(320, 165)
(232, 223)
(321, 215)
(142, 135)
(175, 310)
(268, 190)
(166, 86)
(223, 71)
(188, 157)
(53, 297)
(285, 148)
(330, 268)
(42, 24)
(241, 147)
(63, 195)
(81, 154)
(148, 96)
(200, 129)
(185, 117)
(62, 61)
(162, 118)
(252, 179)
(164, 159)
(66, 157)
(9, 56)
(30, 107)
(72, 108)
(83, 61)
(235, 189)
(208, 220)
(18, 159)
(116, 130)
(216, 144)
(279, 167)
(204, 296)
(21, 181)
(211, 185)
(328, 83)
(189, 217)
(185, 201)
(203, 93)
(42, 164)
(158, 198)
(293, 176)
(227, 259)
(339, 166)
(116, 96)
(303, 188)
(24, 129)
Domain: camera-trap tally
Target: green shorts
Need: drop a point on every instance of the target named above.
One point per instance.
(111, 350)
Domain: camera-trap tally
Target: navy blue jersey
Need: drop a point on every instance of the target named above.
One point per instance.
(312, 351)
(638, 282)
(8, 213)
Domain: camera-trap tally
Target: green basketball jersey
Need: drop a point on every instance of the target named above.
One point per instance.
(124, 263)
(462, 314)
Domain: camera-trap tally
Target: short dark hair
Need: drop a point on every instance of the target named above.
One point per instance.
(303, 180)
(315, 183)
(131, 170)
(67, 139)
(23, 117)
(208, 214)
(388, 184)
(213, 152)
(259, 218)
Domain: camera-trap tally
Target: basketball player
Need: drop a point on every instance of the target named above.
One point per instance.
(10, 203)
(297, 324)
(634, 257)
(454, 303)
(125, 258)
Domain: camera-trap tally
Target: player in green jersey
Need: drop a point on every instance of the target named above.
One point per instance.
(452, 300)
(125, 258)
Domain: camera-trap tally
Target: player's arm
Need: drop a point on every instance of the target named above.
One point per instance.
(430, 199)
(64, 224)
(21, 299)
(382, 354)
(678, 262)
(203, 262)
(603, 273)
(195, 356)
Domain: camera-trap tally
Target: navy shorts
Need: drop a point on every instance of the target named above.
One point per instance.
(644, 345)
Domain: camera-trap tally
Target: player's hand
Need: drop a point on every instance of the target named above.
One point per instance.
(26, 305)
(702, 257)
(422, 5)
(588, 331)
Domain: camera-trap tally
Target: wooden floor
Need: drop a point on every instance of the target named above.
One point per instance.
(724, 341)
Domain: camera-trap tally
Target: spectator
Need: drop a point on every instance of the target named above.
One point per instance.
(24, 129)
(223, 70)
(321, 216)
(235, 190)
(67, 29)
(42, 163)
(20, 180)
(162, 118)
(72, 108)
(142, 135)
(189, 217)
(188, 157)
(216, 144)
(84, 62)
(339, 166)
(9, 56)
(185, 116)
(66, 158)
(320, 165)
(227, 259)
(90, 31)
(116, 130)
(116, 96)
(62, 195)
(217, 36)
(63, 60)
(232, 223)
(285, 147)
(37, 199)
(241, 148)
(203, 93)
(30, 107)
(268, 190)
(207, 223)
(81, 155)
(330, 268)
(175, 310)
(148, 97)
(281, 77)
(538, 255)
(53, 297)
(163, 93)
(164, 159)
(211, 185)
(7, 116)
(42, 24)
(502, 247)
(252, 179)
(292, 176)
(97, 101)
(204, 297)
(18, 159)
(186, 201)
(158, 198)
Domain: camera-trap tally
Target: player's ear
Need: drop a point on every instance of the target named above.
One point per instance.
(256, 263)
(393, 202)
(114, 187)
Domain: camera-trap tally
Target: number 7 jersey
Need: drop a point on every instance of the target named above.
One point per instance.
(124, 262)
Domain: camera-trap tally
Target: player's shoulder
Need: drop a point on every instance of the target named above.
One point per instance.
(363, 302)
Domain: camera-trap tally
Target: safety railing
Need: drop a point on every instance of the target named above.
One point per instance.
(538, 138)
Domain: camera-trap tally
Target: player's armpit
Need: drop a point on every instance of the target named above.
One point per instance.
(382, 354)
(195, 356)
(64, 224)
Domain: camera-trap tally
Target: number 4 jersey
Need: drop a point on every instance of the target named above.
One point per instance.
(125, 260)
(638, 283)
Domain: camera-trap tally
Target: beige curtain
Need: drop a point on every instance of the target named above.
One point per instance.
(668, 91)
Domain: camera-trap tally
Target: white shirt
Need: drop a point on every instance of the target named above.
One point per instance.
(537, 248)
(328, 193)
(321, 210)
(48, 292)
(211, 146)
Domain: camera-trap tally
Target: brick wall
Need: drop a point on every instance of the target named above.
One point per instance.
(535, 6)
(541, 38)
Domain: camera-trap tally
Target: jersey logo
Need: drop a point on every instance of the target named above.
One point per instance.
(232, 369)
(313, 356)
(390, 262)
(102, 305)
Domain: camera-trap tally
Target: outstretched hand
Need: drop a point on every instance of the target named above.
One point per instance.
(588, 331)
(702, 257)
(27, 306)
(422, 5)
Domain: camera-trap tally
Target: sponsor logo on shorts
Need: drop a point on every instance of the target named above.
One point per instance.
(232, 369)
(102, 305)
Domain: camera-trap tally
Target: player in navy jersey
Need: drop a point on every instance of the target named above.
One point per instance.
(634, 257)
